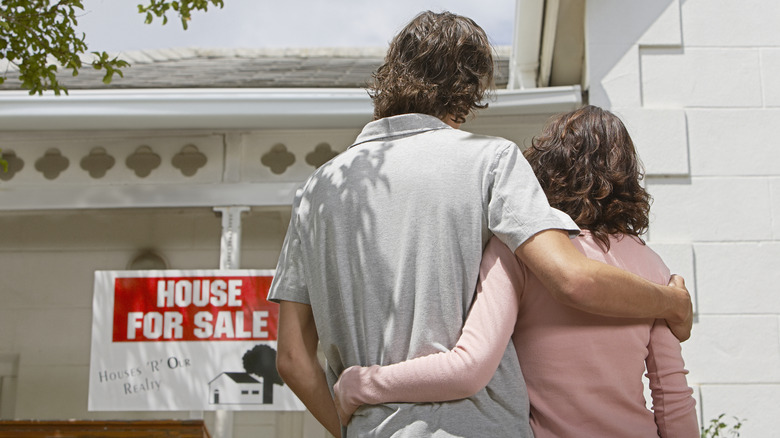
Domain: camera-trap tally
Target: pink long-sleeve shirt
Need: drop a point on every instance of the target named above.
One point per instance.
(583, 371)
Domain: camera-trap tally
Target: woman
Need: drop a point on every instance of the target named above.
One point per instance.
(583, 371)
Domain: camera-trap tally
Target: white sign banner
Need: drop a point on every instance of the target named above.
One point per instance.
(192, 340)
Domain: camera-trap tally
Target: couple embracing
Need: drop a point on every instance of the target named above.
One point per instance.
(458, 288)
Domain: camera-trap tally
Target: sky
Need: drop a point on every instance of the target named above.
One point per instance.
(116, 25)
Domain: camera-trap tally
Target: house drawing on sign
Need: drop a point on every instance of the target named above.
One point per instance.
(235, 388)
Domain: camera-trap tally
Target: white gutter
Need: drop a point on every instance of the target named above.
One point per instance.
(185, 109)
(549, 100)
(524, 59)
(232, 108)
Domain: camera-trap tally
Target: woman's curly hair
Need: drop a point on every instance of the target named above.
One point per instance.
(440, 64)
(588, 168)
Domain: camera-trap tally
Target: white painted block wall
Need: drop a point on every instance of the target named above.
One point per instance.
(697, 83)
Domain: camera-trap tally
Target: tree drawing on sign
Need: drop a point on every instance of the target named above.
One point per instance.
(261, 361)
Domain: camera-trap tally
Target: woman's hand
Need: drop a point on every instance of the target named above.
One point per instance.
(344, 393)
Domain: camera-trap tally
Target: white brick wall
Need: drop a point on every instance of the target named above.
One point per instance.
(734, 142)
(701, 77)
(728, 23)
(757, 404)
(710, 209)
(774, 198)
(696, 83)
(664, 151)
(739, 278)
(770, 70)
(618, 68)
(717, 353)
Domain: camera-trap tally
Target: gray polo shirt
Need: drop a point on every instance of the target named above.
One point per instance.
(385, 244)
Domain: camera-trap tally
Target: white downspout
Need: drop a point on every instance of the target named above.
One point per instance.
(524, 59)
(549, 29)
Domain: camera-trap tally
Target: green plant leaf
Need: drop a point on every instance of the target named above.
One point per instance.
(33, 31)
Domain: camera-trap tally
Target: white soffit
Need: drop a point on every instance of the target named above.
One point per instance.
(234, 108)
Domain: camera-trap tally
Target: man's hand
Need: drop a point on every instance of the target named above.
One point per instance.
(681, 327)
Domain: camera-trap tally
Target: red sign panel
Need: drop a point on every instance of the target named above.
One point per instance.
(194, 309)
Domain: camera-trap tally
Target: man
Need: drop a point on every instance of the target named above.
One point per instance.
(381, 258)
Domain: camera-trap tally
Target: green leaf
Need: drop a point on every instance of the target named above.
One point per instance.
(3, 163)
(31, 31)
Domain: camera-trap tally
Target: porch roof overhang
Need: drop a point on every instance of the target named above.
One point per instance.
(228, 109)
(214, 111)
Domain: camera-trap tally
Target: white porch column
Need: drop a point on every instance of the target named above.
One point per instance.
(230, 245)
(229, 258)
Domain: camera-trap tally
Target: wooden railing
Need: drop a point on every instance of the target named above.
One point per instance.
(104, 429)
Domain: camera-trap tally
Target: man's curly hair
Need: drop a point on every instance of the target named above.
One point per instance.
(588, 168)
(440, 64)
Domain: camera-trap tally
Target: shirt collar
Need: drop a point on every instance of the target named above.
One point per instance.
(404, 125)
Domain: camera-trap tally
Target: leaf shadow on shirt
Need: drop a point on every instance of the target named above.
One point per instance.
(345, 255)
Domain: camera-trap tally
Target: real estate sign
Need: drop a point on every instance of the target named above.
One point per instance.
(185, 340)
